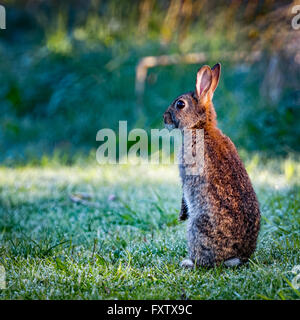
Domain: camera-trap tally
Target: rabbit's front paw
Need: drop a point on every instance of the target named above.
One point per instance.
(183, 216)
(187, 263)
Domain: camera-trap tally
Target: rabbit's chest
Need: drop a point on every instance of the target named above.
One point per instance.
(195, 195)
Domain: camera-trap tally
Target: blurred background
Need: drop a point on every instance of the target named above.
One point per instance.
(68, 69)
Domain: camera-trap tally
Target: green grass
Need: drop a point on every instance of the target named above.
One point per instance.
(130, 246)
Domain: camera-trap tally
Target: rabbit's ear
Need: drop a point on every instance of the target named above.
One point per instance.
(216, 72)
(204, 81)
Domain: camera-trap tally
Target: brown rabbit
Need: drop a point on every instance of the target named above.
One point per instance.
(220, 203)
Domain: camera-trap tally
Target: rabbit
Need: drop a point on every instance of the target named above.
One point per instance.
(219, 203)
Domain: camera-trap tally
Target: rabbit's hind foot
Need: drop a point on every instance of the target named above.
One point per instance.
(234, 262)
(187, 263)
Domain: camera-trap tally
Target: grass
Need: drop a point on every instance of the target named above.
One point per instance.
(124, 240)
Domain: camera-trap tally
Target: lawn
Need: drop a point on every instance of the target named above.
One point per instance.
(87, 231)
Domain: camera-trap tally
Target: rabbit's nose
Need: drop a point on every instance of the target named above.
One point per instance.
(167, 117)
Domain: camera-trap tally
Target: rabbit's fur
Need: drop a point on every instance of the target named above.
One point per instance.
(219, 203)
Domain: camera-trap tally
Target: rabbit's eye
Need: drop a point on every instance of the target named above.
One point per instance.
(180, 104)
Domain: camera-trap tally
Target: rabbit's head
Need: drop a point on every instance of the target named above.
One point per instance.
(195, 109)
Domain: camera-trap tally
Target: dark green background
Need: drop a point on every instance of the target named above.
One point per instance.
(68, 69)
